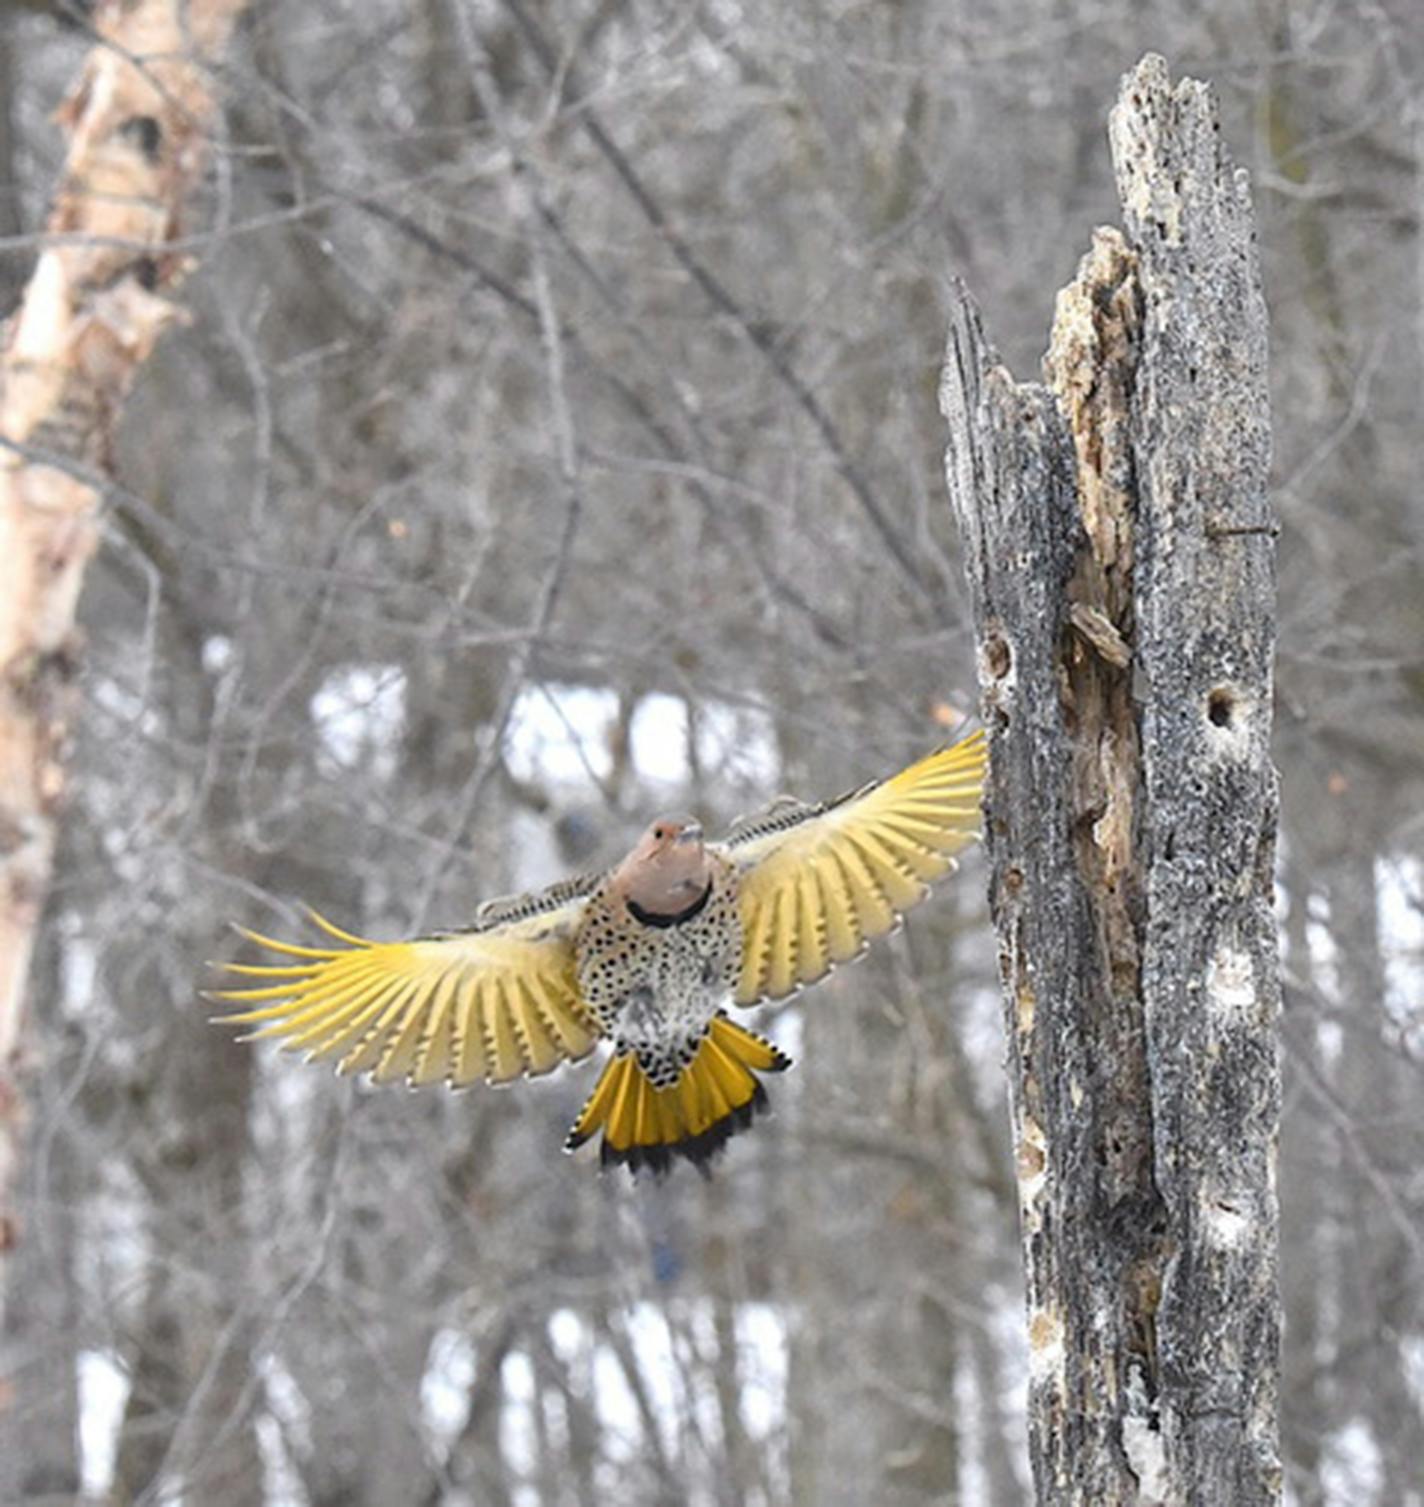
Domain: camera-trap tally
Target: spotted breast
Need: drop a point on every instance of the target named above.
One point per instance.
(655, 980)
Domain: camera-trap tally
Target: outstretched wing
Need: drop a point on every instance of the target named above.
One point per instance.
(497, 1002)
(818, 882)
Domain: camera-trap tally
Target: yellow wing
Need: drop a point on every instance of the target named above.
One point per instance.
(818, 882)
(498, 1002)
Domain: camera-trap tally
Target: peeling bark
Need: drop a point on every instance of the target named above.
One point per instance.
(1118, 544)
(91, 313)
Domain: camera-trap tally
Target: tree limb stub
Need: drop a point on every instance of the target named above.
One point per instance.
(1118, 545)
(91, 314)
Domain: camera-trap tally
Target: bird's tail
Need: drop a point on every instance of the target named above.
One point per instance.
(717, 1095)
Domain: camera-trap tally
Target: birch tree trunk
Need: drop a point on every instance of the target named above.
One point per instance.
(90, 315)
(1119, 549)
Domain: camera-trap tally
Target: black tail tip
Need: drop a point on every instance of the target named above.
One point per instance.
(699, 1150)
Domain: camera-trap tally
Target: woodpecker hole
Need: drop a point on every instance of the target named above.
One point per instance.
(1221, 707)
(998, 657)
(145, 133)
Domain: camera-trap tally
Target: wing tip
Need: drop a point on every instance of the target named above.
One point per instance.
(333, 930)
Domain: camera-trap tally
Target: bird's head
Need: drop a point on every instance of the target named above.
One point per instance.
(668, 868)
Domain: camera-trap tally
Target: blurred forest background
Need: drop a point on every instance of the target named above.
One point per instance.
(554, 442)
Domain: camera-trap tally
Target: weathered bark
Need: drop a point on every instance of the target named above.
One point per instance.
(90, 315)
(11, 220)
(1119, 552)
(42, 1335)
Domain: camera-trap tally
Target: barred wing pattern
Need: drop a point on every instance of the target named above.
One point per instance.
(498, 1002)
(819, 882)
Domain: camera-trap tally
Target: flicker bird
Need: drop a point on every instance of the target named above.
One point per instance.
(647, 956)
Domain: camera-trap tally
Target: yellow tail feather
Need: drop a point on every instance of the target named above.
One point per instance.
(717, 1095)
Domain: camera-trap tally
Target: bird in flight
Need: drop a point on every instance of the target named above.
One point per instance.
(647, 956)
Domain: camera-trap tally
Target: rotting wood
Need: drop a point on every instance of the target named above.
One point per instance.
(1118, 545)
(93, 309)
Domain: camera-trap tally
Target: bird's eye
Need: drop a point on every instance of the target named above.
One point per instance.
(660, 832)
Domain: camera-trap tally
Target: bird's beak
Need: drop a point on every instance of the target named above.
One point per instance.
(692, 832)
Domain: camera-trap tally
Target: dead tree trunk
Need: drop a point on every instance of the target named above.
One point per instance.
(90, 315)
(1118, 544)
